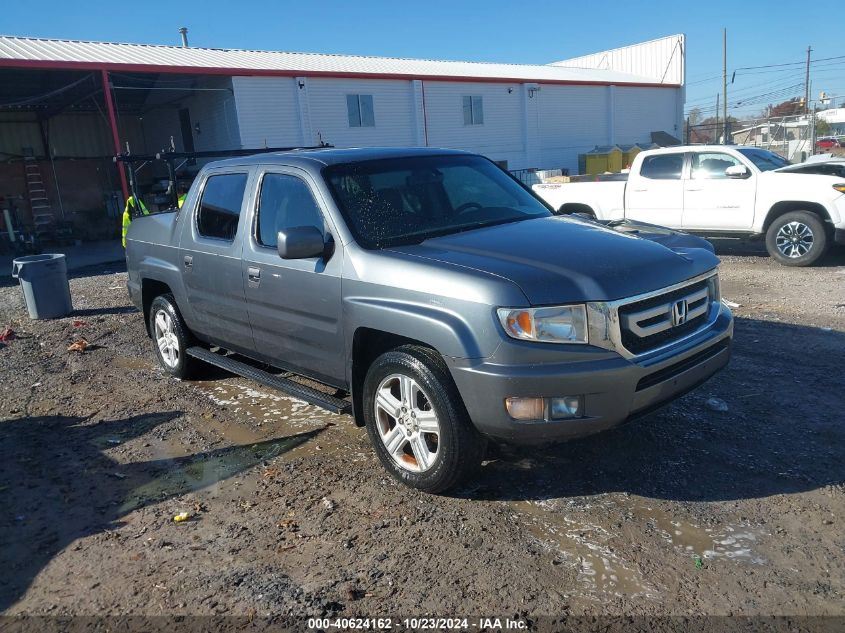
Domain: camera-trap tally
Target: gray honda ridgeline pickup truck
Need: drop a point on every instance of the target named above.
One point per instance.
(431, 295)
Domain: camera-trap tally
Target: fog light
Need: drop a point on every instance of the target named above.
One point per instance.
(526, 408)
(566, 407)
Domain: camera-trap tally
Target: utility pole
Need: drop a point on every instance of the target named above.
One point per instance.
(807, 84)
(716, 129)
(725, 83)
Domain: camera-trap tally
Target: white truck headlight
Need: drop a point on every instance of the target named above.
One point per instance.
(558, 324)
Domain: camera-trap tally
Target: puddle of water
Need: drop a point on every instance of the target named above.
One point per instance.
(264, 407)
(193, 472)
(725, 541)
(585, 546)
(601, 570)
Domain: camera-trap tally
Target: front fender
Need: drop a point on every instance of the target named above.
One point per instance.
(440, 326)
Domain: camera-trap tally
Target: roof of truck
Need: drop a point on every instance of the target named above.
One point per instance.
(333, 156)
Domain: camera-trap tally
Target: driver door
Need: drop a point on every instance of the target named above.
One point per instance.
(294, 304)
(715, 201)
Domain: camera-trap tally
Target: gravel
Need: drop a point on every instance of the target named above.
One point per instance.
(737, 510)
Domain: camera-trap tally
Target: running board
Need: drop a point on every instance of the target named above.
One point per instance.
(290, 387)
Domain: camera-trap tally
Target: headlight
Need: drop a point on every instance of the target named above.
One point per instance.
(840, 187)
(559, 324)
(715, 289)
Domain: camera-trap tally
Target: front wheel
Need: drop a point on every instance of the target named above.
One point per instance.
(797, 238)
(171, 338)
(417, 422)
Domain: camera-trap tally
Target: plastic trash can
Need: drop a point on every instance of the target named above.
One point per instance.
(43, 279)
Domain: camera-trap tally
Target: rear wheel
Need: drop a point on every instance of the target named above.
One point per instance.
(171, 338)
(797, 238)
(417, 422)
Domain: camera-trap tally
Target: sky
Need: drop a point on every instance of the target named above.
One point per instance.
(539, 32)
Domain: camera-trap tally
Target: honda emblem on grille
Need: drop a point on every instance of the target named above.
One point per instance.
(679, 312)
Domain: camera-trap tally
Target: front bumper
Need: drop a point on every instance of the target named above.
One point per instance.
(614, 388)
(839, 236)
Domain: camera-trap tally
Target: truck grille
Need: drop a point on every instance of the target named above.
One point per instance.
(660, 320)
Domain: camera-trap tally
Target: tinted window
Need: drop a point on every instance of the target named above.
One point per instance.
(711, 165)
(285, 202)
(763, 159)
(408, 200)
(220, 207)
(663, 167)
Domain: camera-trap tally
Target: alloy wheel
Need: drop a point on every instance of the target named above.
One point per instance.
(406, 423)
(794, 239)
(165, 336)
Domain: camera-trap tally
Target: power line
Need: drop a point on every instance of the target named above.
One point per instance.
(821, 59)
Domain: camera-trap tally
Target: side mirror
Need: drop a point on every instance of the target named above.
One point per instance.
(737, 171)
(300, 242)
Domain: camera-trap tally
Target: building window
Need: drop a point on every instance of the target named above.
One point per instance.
(473, 111)
(359, 108)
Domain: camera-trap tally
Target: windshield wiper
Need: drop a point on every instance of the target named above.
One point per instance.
(418, 237)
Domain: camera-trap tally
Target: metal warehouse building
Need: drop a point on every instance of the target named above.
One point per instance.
(66, 107)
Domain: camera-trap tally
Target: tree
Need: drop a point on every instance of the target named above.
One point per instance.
(694, 116)
(822, 127)
(787, 108)
(707, 131)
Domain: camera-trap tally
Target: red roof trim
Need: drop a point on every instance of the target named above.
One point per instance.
(245, 72)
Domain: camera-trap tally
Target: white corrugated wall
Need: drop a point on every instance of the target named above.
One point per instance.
(640, 111)
(212, 112)
(546, 128)
(501, 137)
(661, 60)
(392, 105)
(573, 120)
(267, 112)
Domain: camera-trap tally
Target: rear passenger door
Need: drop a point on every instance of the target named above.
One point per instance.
(294, 304)
(210, 257)
(656, 193)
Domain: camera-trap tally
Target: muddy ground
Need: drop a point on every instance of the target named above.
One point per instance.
(689, 511)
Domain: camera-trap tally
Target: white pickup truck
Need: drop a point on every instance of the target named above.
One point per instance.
(718, 191)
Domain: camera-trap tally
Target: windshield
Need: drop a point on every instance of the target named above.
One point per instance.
(763, 158)
(407, 200)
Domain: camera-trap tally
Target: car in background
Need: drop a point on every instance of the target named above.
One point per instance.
(827, 142)
(830, 167)
(718, 191)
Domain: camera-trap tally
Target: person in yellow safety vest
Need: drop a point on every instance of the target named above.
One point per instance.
(127, 214)
(183, 193)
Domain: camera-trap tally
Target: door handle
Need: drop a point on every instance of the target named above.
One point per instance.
(694, 189)
(254, 274)
(641, 190)
(189, 261)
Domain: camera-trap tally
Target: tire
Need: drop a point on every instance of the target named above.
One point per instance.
(797, 238)
(428, 461)
(171, 338)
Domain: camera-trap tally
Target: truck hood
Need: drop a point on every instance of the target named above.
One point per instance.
(567, 259)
